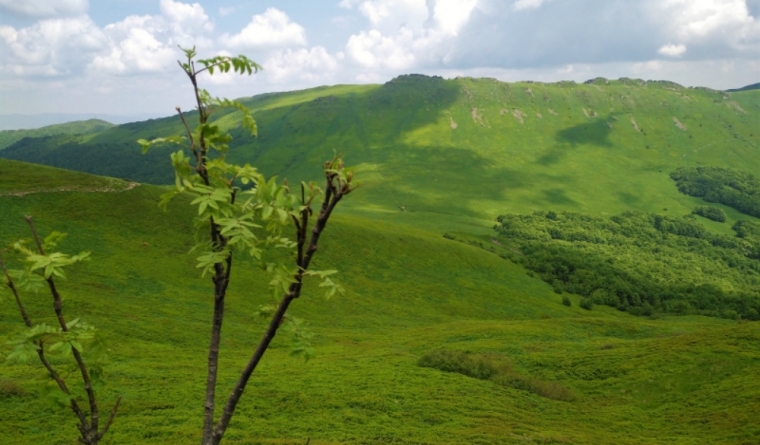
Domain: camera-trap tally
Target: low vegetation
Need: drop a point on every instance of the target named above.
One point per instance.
(551, 358)
(494, 368)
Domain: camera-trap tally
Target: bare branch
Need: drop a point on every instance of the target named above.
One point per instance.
(110, 418)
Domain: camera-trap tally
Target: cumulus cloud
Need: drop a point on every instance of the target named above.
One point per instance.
(45, 8)
(134, 47)
(558, 33)
(149, 43)
(186, 19)
(271, 29)
(521, 5)
(371, 49)
(301, 64)
(50, 47)
(672, 50)
(406, 33)
(451, 15)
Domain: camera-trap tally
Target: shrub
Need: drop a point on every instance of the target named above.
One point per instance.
(464, 363)
(9, 388)
(710, 212)
(587, 304)
(495, 369)
(566, 301)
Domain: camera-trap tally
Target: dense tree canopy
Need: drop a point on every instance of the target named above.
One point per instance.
(642, 262)
(734, 188)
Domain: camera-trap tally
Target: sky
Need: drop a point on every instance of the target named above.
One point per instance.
(119, 57)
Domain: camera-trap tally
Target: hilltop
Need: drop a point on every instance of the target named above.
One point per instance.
(90, 126)
(575, 376)
(594, 186)
(467, 148)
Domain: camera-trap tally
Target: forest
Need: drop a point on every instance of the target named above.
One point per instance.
(731, 187)
(642, 263)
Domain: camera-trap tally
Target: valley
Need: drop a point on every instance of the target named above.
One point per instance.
(423, 268)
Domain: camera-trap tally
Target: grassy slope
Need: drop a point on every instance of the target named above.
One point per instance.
(688, 380)
(9, 137)
(516, 147)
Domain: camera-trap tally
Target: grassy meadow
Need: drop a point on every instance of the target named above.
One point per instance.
(684, 380)
(436, 156)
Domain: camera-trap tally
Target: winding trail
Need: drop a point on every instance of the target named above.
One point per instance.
(129, 186)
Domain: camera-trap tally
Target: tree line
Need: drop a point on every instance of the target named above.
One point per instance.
(642, 263)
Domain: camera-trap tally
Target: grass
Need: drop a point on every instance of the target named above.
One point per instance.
(409, 291)
(574, 146)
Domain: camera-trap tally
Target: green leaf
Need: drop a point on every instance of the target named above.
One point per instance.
(72, 323)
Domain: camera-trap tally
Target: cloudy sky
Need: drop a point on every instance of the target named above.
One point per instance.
(119, 56)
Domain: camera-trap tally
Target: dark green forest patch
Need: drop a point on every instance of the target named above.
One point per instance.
(710, 212)
(734, 188)
(642, 263)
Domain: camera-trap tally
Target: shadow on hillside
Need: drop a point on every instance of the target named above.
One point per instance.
(594, 132)
(294, 140)
(451, 180)
(558, 196)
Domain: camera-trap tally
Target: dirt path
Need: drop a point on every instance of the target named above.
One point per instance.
(129, 186)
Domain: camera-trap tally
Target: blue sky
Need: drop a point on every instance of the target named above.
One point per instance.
(119, 56)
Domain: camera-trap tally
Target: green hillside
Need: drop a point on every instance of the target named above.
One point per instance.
(90, 126)
(410, 292)
(470, 149)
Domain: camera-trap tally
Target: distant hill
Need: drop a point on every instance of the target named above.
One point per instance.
(90, 126)
(466, 148)
(754, 86)
(33, 121)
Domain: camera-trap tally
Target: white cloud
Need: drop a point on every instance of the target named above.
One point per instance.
(45, 8)
(302, 64)
(224, 11)
(149, 43)
(390, 15)
(451, 15)
(50, 47)
(137, 50)
(724, 26)
(672, 50)
(269, 30)
(186, 19)
(521, 5)
(370, 49)
(407, 33)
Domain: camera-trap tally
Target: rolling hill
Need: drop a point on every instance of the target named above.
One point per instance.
(466, 148)
(410, 292)
(9, 137)
(437, 157)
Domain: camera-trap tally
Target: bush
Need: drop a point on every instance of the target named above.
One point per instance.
(587, 304)
(495, 369)
(464, 363)
(566, 301)
(710, 212)
(9, 388)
